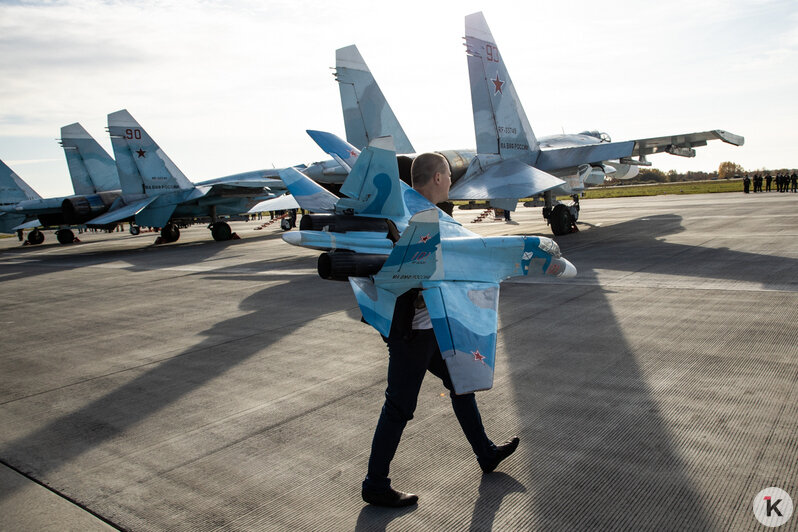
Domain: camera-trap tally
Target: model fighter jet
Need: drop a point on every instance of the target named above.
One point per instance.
(385, 239)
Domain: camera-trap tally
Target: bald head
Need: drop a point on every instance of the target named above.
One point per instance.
(431, 176)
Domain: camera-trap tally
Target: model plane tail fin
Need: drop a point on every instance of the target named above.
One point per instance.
(417, 255)
(373, 187)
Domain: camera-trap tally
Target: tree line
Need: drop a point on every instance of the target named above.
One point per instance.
(726, 170)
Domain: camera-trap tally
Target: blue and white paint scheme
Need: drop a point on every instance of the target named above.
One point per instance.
(13, 191)
(510, 162)
(367, 115)
(94, 180)
(156, 193)
(457, 271)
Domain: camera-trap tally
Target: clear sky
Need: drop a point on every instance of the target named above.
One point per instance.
(230, 86)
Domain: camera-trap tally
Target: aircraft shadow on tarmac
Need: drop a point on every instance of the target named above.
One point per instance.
(146, 257)
(610, 248)
(586, 454)
(602, 454)
(98, 423)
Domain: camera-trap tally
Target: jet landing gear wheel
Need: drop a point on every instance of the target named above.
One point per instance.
(65, 236)
(170, 233)
(35, 237)
(561, 220)
(134, 229)
(221, 231)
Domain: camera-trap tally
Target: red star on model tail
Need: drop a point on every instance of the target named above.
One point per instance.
(423, 239)
(478, 357)
(141, 152)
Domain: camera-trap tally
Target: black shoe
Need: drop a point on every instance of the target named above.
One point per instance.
(502, 451)
(390, 498)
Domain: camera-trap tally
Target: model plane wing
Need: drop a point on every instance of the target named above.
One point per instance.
(683, 144)
(465, 320)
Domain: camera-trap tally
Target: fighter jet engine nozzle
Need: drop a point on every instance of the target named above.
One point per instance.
(341, 223)
(79, 209)
(458, 161)
(341, 265)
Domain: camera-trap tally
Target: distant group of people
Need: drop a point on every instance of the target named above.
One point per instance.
(287, 217)
(784, 182)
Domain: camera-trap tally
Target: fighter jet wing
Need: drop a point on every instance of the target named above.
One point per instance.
(509, 178)
(27, 225)
(465, 320)
(122, 213)
(575, 156)
(683, 144)
(267, 179)
(280, 203)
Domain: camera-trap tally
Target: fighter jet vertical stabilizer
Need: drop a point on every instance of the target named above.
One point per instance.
(367, 114)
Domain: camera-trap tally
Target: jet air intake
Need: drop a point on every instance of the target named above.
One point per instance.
(340, 265)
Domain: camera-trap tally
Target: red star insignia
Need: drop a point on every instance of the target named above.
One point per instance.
(141, 152)
(352, 153)
(423, 239)
(478, 357)
(497, 84)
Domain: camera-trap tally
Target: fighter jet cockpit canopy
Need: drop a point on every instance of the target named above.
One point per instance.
(603, 137)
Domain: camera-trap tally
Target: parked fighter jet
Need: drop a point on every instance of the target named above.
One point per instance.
(504, 137)
(156, 193)
(510, 154)
(13, 190)
(386, 239)
(94, 180)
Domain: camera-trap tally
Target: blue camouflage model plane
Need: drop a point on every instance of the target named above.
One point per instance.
(386, 239)
(156, 193)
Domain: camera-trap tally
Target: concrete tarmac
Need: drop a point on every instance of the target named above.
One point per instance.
(224, 386)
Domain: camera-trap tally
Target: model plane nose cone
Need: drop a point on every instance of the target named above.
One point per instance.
(569, 271)
(293, 237)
